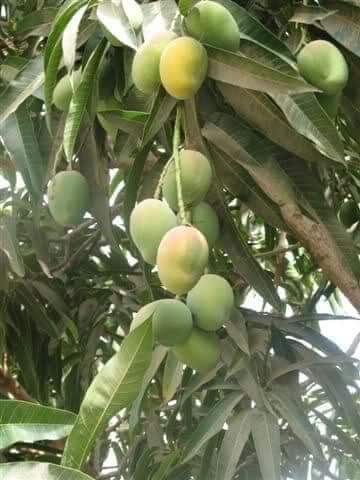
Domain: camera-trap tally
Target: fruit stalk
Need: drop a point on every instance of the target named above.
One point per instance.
(176, 144)
(162, 178)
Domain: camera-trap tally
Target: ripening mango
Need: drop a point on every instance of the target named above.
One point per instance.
(146, 63)
(182, 257)
(183, 67)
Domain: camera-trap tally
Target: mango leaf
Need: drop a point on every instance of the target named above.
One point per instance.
(113, 17)
(233, 444)
(291, 410)
(310, 14)
(10, 245)
(133, 12)
(158, 356)
(161, 109)
(80, 100)
(36, 23)
(173, 372)
(344, 25)
(257, 109)
(160, 15)
(210, 425)
(245, 72)
(51, 78)
(307, 117)
(255, 31)
(114, 388)
(43, 471)
(266, 435)
(69, 38)
(29, 422)
(25, 84)
(19, 138)
(236, 329)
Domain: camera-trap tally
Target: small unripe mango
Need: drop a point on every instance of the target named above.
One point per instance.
(146, 63)
(68, 197)
(211, 302)
(323, 65)
(183, 67)
(212, 23)
(182, 257)
(149, 221)
(172, 322)
(196, 175)
(349, 213)
(201, 351)
(63, 91)
(205, 219)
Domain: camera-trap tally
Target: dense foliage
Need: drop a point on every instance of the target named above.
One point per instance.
(86, 134)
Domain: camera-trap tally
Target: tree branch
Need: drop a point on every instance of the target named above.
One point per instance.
(10, 386)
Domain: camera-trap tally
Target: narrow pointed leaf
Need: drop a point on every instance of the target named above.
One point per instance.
(16, 92)
(210, 425)
(173, 372)
(114, 19)
(29, 422)
(10, 245)
(69, 38)
(80, 100)
(266, 434)
(114, 388)
(306, 116)
(43, 471)
(310, 14)
(233, 444)
(296, 417)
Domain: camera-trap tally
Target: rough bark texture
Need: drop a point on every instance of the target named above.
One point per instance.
(324, 251)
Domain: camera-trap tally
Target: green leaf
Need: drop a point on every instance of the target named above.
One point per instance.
(114, 388)
(185, 6)
(161, 109)
(19, 138)
(266, 434)
(80, 100)
(236, 329)
(51, 77)
(26, 83)
(160, 15)
(62, 19)
(36, 23)
(245, 72)
(10, 245)
(210, 425)
(290, 409)
(69, 38)
(344, 25)
(257, 109)
(29, 422)
(309, 14)
(255, 31)
(233, 444)
(112, 16)
(158, 356)
(173, 373)
(307, 117)
(45, 471)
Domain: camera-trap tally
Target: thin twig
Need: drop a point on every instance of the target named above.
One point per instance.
(176, 144)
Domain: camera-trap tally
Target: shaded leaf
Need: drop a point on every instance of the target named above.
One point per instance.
(115, 387)
(266, 434)
(310, 14)
(173, 373)
(25, 84)
(344, 25)
(244, 72)
(45, 471)
(210, 425)
(36, 23)
(307, 117)
(160, 111)
(233, 444)
(29, 422)
(293, 412)
(10, 245)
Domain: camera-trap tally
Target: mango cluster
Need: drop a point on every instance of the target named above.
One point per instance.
(323, 65)
(180, 64)
(181, 252)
